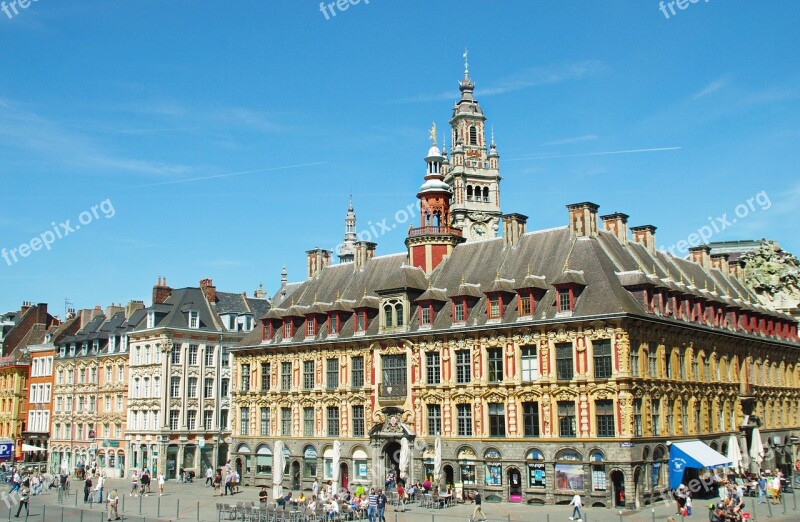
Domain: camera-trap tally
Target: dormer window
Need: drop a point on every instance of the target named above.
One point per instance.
(112, 343)
(311, 326)
(494, 306)
(525, 304)
(426, 314)
(95, 346)
(564, 301)
(288, 329)
(460, 310)
(151, 319)
(123, 345)
(194, 319)
(62, 351)
(393, 314)
(333, 323)
(361, 321)
(84, 347)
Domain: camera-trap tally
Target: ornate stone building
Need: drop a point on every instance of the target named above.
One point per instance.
(547, 361)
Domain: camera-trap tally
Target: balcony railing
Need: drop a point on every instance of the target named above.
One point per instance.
(440, 231)
(392, 390)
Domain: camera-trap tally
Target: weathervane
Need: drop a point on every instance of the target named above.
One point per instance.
(432, 134)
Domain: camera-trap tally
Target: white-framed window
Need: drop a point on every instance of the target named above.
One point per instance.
(194, 319)
(151, 319)
(393, 313)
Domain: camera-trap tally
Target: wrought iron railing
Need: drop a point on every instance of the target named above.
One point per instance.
(440, 230)
(392, 389)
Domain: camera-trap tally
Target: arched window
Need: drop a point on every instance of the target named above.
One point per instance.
(494, 469)
(469, 192)
(473, 135)
(393, 314)
(437, 219)
(388, 313)
(466, 464)
(536, 469)
(569, 470)
(485, 194)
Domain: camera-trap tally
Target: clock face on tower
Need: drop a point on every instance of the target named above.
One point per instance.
(479, 230)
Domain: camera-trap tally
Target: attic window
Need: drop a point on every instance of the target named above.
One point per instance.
(95, 346)
(564, 300)
(426, 314)
(393, 314)
(494, 307)
(525, 304)
(194, 319)
(288, 329)
(333, 323)
(151, 319)
(361, 320)
(459, 310)
(311, 326)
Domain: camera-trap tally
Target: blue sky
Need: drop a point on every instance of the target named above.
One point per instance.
(227, 136)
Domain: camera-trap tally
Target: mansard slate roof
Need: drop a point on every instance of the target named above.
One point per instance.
(600, 267)
(99, 328)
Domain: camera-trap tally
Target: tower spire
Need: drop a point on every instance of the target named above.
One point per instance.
(347, 249)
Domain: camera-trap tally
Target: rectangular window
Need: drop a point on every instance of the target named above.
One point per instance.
(433, 367)
(191, 420)
(311, 327)
(245, 378)
(463, 367)
(525, 305)
(332, 374)
(224, 359)
(265, 376)
(333, 421)
(288, 329)
(208, 388)
(530, 363)
(682, 364)
(333, 323)
(563, 300)
(497, 419)
(637, 418)
(308, 422)
(564, 364)
(357, 372)
(493, 308)
(495, 360)
(264, 421)
(434, 419)
(602, 358)
(635, 370)
(566, 419)
(174, 386)
(245, 418)
(175, 354)
(174, 415)
(286, 422)
(464, 420)
(308, 375)
(225, 387)
(685, 418)
(671, 417)
(358, 421)
(193, 351)
(652, 360)
(394, 371)
(191, 391)
(361, 321)
(286, 376)
(604, 411)
(209, 356)
(459, 311)
(194, 319)
(655, 416)
(208, 417)
(530, 418)
(223, 419)
(425, 314)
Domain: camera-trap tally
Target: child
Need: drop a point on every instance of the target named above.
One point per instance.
(688, 505)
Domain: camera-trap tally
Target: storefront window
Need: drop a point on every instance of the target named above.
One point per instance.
(310, 462)
(327, 464)
(360, 464)
(466, 464)
(569, 471)
(599, 479)
(263, 460)
(494, 470)
(536, 469)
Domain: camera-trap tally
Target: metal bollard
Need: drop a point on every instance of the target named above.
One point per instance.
(178, 510)
(101, 516)
(783, 501)
(548, 517)
(62, 513)
(81, 515)
(653, 511)
(769, 506)
(76, 499)
(620, 516)
(44, 510)
(158, 507)
(508, 518)
(198, 511)
(395, 517)
(140, 505)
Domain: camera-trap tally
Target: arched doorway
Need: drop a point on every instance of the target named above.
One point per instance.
(514, 485)
(637, 486)
(391, 459)
(618, 488)
(239, 466)
(449, 474)
(344, 476)
(296, 475)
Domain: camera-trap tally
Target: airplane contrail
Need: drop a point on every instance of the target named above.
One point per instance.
(217, 176)
(595, 153)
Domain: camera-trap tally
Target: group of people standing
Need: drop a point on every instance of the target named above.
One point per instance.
(140, 483)
(224, 480)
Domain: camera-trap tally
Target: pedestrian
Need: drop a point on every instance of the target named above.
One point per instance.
(381, 506)
(401, 497)
(135, 484)
(478, 509)
(372, 509)
(315, 488)
(762, 489)
(113, 505)
(210, 477)
(217, 483)
(101, 482)
(87, 489)
(24, 498)
(16, 482)
(576, 502)
(161, 481)
(228, 486)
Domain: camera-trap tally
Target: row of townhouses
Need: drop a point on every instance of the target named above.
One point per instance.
(547, 362)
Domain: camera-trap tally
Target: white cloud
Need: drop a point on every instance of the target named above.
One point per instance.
(711, 87)
(569, 141)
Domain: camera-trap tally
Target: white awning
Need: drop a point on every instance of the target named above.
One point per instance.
(699, 451)
(28, 448)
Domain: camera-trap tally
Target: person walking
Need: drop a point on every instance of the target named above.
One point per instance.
(24, 498)
(87, 489)
(113, 505)
(210, 477)
(372, 510)
(576, 502)
(315, 488)
(135, 484)
(381, 506)
(401, 497)
(478, 507)
(161, 481)
(762, 489)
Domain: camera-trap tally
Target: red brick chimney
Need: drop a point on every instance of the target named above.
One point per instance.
(210, 291)
(513, 228)
(645, 235)
(701, 255)
(720, 262)
(617, 224)
(161, 291)
(318, 259)
(583, 219)
(26, 305)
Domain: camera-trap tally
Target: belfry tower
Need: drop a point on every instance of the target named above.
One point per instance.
(435, 238)
(347, 249)
(474, 173)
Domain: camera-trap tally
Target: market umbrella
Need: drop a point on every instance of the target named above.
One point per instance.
(735, 454)
(405, 458)
(756, 448)
(278, 463)
(337, 455)
(437, 460)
